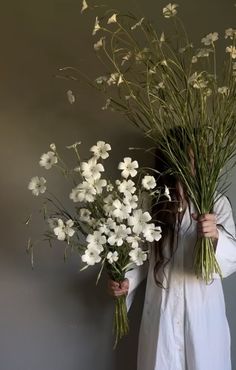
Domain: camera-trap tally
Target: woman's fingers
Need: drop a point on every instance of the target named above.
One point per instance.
(124, 284)
(117, 289)
(206, 225)
(113, 284)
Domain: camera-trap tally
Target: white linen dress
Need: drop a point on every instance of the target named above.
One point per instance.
(185, 327)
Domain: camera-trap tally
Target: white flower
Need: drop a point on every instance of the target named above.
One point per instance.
(68, 229)
(53, 147)
(232, 50)
(152, 70)
(231, 33)
(37, 185)
(167, 193)
(108, 206)
(170, 10)
(99, 44)
(98, 184)
(64, 230)
(203, 53)
(84, 214)
(96, 240)
(210, 38)
(152, 232)
(126, 57)
(128, 167)
(59, 230)
(127, 187)
(96, 26)
(119, 235)
(101, 149)
(207, 92)
(107, 226)
(112, 19)
(47, 160)
(197, 81)
(70, 96)
(110, 187)
(200, 84)
(92, 169)
(113, 79)
(138, 256)
(162, 37)
(100, 80)
(149, 182)
(111, 223)
(120, 80)
(133, 240)
(131, 200)
(121, 210)
(84, 6)
(224, 90)
(91, 256)
(194, 59)
(112, 257)
(142, 55)
(138, 24)
(161, 85)
(164, 63)
(139, 221)
(83, 192)
(104, 229)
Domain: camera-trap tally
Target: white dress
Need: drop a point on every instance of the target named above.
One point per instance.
(185, 327)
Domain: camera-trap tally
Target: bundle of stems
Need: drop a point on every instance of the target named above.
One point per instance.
(159, 80)
(121, 323)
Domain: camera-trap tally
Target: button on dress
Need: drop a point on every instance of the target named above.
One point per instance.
(184, 327)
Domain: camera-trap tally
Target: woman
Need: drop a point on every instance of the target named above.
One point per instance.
(184, 325)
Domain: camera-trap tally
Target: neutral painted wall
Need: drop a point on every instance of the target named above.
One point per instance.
(54, 318)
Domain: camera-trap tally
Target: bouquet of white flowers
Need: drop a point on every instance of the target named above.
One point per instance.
(109, 225)
(161, 82)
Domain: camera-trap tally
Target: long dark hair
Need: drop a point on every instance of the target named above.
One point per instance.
(166, 213)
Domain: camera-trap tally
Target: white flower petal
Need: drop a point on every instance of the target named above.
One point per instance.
(149, 182)
(48, 160)
(84, 6)
(112, 19)
(37, 185)
(170, 10)
(96, 26)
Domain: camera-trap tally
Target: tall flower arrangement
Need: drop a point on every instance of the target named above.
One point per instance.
(161, 81)
(109, 224)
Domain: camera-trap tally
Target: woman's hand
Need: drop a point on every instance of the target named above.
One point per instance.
(116, 289)
(207, 225)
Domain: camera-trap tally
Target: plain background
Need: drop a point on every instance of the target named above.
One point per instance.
(54, 318)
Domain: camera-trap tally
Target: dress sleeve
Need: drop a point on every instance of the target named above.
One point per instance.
(226, 244)
(135, 276)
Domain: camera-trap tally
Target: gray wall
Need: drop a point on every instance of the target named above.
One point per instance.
(54, 318)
